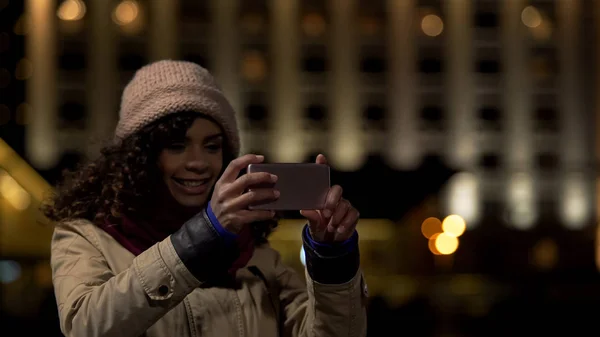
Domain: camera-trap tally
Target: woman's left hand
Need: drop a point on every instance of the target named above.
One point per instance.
(337, 221)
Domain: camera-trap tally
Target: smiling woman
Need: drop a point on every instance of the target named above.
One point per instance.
(158, 229)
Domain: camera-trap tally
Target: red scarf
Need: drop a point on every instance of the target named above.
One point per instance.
(138, 239)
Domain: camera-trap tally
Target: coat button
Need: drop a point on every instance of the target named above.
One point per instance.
(163, 290)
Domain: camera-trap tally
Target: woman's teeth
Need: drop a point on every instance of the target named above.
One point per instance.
(190, 183)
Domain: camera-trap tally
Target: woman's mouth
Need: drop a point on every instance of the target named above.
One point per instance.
(192, 186)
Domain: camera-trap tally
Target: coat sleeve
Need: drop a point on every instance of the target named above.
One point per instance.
(93, 301)
(319, 307)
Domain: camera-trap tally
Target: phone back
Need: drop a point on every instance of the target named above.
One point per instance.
(302, 185)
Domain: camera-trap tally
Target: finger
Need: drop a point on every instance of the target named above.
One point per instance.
(314, 223)
(249, 180)
(340, 212)
(333, 197)
(348, 223)
(321, 159)
(253, 197)
(237, 165)
(313, 217)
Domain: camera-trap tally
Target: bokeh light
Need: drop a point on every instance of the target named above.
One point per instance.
(254, 66)
(431, 226)
(126, 12)
(313, 24)
(454, 225)
(446, 244)
(71, 10)
(432, 246)
(531, 17)
(432, 25)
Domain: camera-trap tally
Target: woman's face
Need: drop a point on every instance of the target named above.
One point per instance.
(191, 166)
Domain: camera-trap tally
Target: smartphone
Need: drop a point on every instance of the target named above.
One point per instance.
(302, 186)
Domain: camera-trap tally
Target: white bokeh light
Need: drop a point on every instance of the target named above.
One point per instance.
(463, 197)
(575, 203)
(521, 200)
(302, 256)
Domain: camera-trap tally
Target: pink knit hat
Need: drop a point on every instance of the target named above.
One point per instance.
(166, 87)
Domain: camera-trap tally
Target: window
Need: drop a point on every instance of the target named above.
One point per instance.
(254, 17)
(196, 9)
(489, 161)
(546, 119)
(435, 4)
(198, 59)
(374, 113)
(432, 160)
(432, 118)
(314, 64)
(315, 112)
(488, 67)
(314, 59)
(489, 113)
(430, 66)
(372, 64)
(72, 115)
(547, 161)
(315, 117)
(486, 19)
(131, 62)
(256, 112)
(431, 113)
(544, 64)
(72, 61)
(374, 116)
(490, 118)
(314, 6)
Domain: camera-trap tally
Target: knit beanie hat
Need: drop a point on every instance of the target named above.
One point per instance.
(166, 87)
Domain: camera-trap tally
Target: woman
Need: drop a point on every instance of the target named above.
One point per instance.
(155, 237)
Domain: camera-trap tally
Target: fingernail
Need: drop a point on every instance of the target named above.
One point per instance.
(273, 178)
(327, 213)
(341, 229)
(260, 157)
(276, 193)
(330, 229)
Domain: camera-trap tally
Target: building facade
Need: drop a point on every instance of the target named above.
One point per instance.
(495, 88)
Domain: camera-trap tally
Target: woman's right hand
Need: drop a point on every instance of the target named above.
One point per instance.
(230, 199)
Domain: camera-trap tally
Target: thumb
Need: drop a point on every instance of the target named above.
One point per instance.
(321, 159)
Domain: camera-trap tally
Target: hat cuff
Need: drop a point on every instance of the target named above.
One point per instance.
(178, 98)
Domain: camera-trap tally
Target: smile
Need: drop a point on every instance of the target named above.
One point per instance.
(190, 183)
(193, 186)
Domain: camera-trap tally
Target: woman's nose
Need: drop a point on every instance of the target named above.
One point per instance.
(196, 160)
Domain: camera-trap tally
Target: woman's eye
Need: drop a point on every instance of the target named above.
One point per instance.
(176, 146)
(213, 147)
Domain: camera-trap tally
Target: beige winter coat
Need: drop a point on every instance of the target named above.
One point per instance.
(104, 290)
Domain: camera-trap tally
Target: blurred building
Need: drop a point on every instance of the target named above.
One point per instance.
(494, 88)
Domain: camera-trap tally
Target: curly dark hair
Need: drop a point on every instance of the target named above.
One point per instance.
(123, 180)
